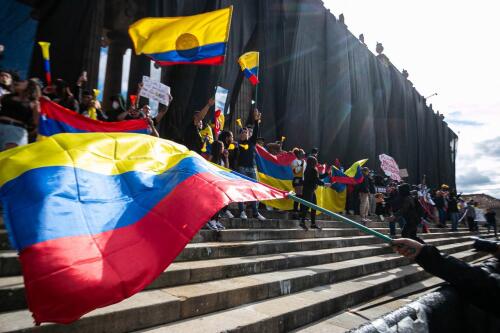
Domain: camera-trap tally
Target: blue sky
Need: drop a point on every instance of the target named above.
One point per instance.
(450, 47)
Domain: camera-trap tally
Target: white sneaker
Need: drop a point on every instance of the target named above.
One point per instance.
(243, 216)
(260, 217)
(228, 214)
(212, 225)
(219, 225)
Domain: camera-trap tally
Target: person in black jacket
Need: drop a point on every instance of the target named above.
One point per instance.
(491, 221)
(310, 184)
(410, 211)
(479, 285)
(246, 160)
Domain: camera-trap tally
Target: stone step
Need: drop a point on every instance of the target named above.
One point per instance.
(376, 308)
(12, 287)
(252, 232)
(234, 235)
(285, 313)
(9, 264)
(162, 306)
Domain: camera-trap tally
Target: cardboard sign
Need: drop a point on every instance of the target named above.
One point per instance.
(390, 167)
(155, 90)
(220, 99)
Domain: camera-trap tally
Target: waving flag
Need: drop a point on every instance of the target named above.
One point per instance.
(249, 63)
(55, 119)
(198, 39)
(351, 176)
(276, 171)
(96, 217)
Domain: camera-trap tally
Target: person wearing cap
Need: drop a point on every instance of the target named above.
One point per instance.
(192, 137)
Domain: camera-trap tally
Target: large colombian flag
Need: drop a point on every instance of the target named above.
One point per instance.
(249, 63)
(197, 39)
(277, 172)
(96, 217)
(55, 119)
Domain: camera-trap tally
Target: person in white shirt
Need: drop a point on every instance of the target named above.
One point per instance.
(298, 166)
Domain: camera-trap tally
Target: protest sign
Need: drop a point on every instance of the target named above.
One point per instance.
(390, 167)
(155, 90)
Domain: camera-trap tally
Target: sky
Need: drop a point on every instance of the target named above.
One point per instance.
(449, 47)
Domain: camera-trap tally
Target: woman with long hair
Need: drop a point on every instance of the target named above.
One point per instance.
(19, 113)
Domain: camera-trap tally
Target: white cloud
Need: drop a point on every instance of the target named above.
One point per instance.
(447, 48)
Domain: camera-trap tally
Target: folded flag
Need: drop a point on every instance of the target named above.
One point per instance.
(55, 119)
(96, 217)
(249, 63)
(198, 39)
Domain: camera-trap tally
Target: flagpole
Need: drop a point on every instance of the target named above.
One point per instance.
(355, 224)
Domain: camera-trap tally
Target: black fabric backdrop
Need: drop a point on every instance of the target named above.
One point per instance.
(320, 86)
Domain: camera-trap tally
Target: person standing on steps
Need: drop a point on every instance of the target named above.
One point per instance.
(364, 196)
(491, 221)
(410, 211)
(246, 160)
(298, 168)
(311, 183)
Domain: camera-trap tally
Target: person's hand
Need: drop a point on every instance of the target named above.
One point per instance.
(226, 153)
(211, 102)
(407, 247)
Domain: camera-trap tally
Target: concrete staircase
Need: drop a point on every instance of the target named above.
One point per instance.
(255, 276)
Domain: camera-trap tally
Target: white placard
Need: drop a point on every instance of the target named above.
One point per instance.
(390, 167)
(220, 99)
(155, 90)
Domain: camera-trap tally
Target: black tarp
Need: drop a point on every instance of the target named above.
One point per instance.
(320, 86)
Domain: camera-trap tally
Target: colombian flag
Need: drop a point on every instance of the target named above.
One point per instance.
(277, 172)
(197, 39)
(352, 176)
(55, 119)
(96, 217)
(249, 63)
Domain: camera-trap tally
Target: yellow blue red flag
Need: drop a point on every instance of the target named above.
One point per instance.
(249, 63)
(196, 39)
(96, 217)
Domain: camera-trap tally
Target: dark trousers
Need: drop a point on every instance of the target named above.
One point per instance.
(410, 231)
(494, 226)
(392, 225)
(471, 223)
(311, 197)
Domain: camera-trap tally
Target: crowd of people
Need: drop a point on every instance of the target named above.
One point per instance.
(411, 207)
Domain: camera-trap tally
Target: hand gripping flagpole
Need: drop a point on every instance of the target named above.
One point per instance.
(357, 225)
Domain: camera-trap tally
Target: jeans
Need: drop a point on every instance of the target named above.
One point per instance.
(442, 216)
(392, 225)
(454, 221)
(249, 172)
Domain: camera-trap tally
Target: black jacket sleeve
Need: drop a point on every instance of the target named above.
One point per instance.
(480, 285)
(255, 133)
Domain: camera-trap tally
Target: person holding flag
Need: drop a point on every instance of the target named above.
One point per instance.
(246, 160)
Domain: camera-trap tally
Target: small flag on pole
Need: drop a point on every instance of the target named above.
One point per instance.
(249, 63)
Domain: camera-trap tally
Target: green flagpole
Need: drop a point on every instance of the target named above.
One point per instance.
(355, 224)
